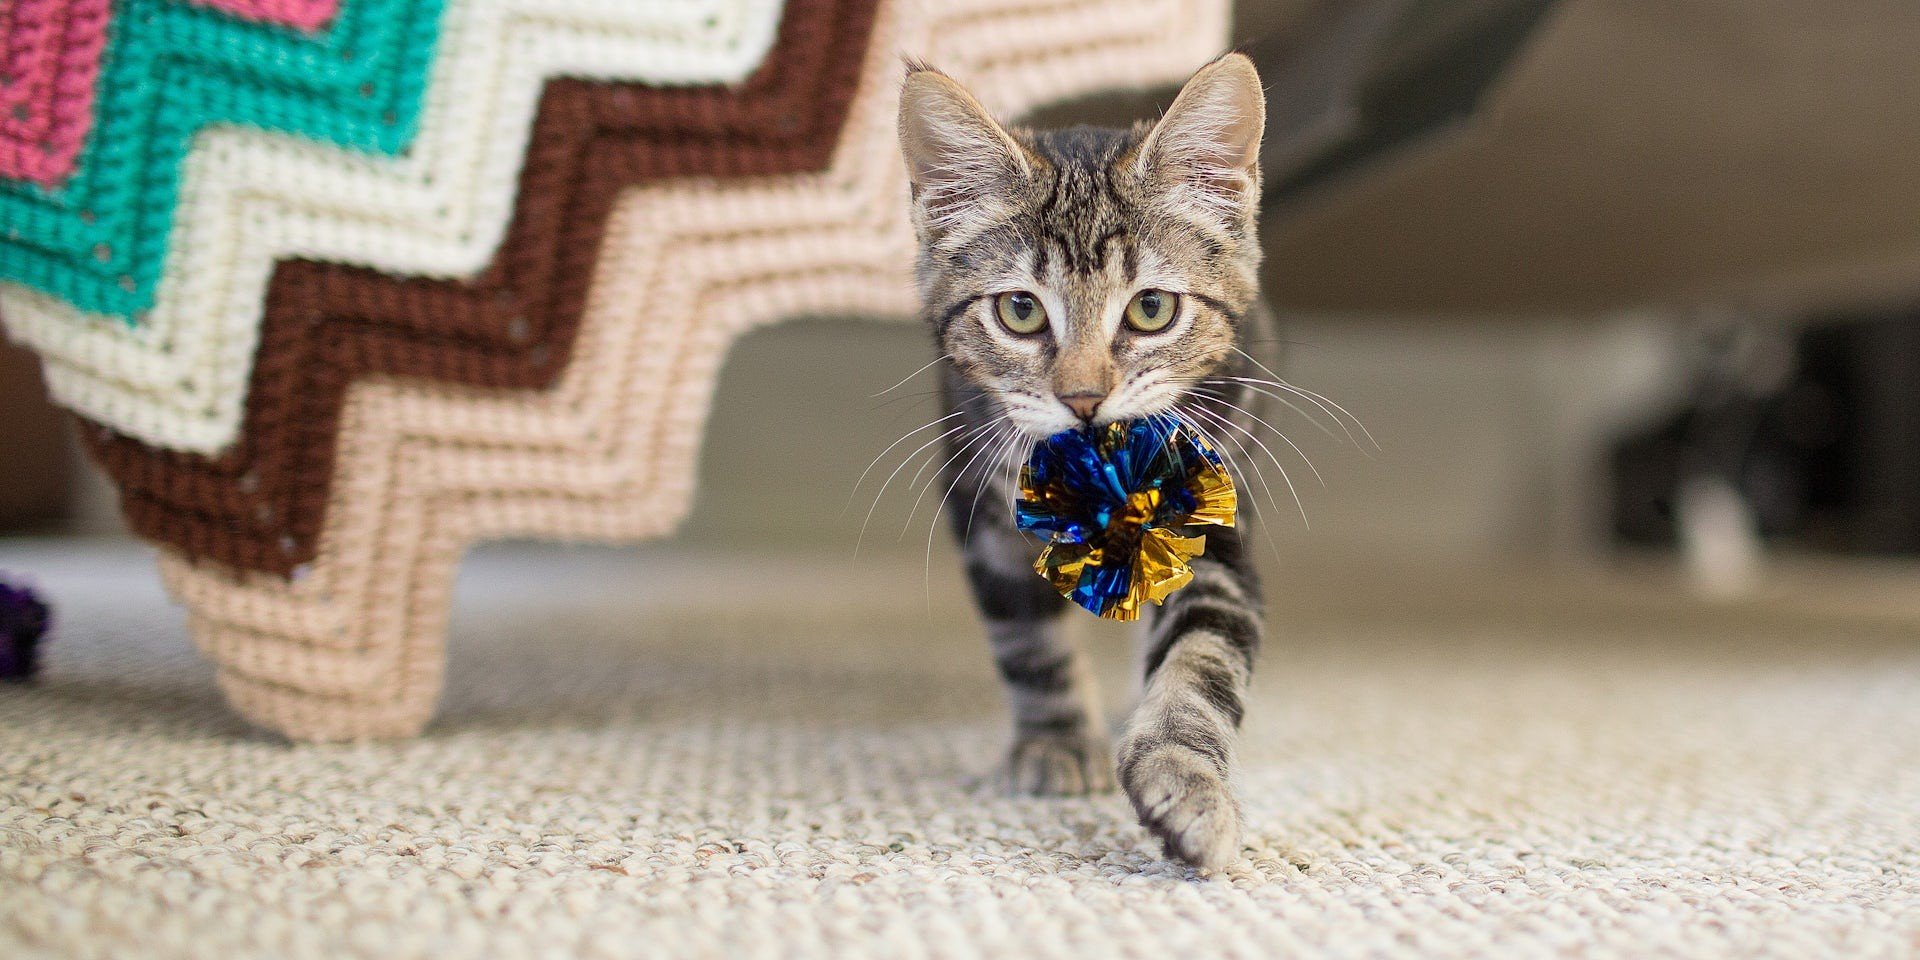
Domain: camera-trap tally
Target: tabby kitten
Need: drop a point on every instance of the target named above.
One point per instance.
(1084, 276)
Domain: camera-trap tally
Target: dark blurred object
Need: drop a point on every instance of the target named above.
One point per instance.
(23, 623)
(36, 468)
(1822, 445)
(1634, 154)
(1351, 81)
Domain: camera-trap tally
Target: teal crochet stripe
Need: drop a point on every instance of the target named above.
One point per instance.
(100, 239)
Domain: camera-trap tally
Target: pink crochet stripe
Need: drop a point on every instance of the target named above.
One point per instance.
(49, 59)
(299, 14)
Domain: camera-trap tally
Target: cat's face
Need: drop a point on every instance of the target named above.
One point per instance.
(1083, 275)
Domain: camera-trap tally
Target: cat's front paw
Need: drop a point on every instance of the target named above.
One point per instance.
(1053, 764)
(1181, 798)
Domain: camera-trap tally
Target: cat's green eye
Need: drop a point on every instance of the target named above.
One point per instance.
(1020, 312)
(1151, 310)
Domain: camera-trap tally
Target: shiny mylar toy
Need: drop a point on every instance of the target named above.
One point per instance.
(1113, 502)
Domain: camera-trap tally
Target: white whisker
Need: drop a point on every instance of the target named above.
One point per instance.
(896, 472)
(1276, 432)
(1230, 383)
(1281, 382)
(1234, 467)
(1240, 466)
(1009, 443)
(876, 460)
(910, 376)
(966, 442)
(1228, 421)
(1253, 383)
(926, 565)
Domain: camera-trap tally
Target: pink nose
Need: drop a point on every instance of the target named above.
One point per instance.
(1083, 404)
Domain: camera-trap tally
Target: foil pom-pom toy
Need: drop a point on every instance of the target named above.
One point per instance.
(1113, 502)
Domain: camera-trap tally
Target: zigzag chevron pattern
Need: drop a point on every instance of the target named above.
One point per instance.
(49, 59)
(353, 647)
(260, 504)
(171, 68)
(179, 379)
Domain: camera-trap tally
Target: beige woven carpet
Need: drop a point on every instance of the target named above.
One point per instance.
(628, 766)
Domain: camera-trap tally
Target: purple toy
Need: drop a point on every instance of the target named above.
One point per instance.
(23, 621)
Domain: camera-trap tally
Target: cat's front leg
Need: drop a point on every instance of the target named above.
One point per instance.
(1176, 757)
(1058, 746)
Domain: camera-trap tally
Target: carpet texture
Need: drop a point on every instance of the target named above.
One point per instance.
(627, 765)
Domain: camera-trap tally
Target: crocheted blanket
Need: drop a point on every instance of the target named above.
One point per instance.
(151, 327)
(142, 79)
(340, 286)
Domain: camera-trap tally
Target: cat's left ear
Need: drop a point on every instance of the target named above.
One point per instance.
(1205, 152)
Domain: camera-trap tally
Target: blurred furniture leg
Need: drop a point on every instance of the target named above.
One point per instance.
(36, 481)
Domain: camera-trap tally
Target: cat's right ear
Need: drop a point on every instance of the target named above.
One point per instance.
(963, 166)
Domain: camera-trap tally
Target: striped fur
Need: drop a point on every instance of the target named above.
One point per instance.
(1083, 220)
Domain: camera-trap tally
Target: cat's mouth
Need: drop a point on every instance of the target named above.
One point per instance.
(1042, 428)
(1041, 417)
(1035, 415)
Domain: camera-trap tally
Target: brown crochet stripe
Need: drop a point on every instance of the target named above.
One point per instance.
(261, 504)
